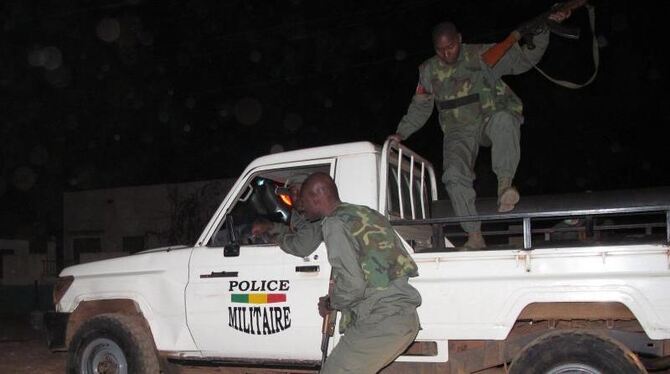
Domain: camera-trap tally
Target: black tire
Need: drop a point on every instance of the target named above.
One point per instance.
(112, 343)
(575, 351)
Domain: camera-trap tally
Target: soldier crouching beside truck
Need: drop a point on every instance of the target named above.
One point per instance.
(370, 271)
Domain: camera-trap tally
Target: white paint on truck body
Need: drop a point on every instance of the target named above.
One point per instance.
(466, 295)
(155, 281)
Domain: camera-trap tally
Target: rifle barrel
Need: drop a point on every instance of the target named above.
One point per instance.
(496, 52)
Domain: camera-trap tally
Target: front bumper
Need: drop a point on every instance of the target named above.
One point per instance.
(56, 326)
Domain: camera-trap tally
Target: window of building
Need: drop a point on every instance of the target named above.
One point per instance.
(80, 245)
(2, 253)
(133, 244)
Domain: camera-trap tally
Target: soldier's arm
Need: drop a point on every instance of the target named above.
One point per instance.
(278, 229)
(420, 108)
(521, 59)
(350, 282)
(303, 239)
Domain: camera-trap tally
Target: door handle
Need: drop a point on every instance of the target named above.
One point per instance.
(220, 274)
(307, 269)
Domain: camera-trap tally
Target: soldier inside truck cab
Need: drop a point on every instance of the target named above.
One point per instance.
(300, 237)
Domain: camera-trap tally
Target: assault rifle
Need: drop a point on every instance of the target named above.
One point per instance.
(328, 325)
(526, 30)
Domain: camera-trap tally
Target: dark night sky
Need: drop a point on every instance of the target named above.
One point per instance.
(97, 94)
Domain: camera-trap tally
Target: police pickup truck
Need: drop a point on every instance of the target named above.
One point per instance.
(551, 297)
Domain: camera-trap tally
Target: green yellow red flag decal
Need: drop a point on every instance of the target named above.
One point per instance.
(258, 298)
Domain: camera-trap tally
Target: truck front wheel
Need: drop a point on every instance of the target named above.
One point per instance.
(575, 351)
(112, 344)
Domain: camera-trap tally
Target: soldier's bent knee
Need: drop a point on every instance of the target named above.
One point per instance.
(505, 120)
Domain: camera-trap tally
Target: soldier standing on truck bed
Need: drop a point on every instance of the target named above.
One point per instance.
(476, 108)
(370, 271)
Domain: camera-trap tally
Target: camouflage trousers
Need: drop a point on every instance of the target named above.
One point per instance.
(461, 145)
(367, 347)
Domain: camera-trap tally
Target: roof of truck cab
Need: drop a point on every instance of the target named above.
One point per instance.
(315, 153)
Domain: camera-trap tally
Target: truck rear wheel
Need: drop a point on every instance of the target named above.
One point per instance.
(112, 344)
(578, 352)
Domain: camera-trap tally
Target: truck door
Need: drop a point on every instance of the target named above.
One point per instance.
(261, 304)
(247, 299)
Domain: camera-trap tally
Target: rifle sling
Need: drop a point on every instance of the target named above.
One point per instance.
(455, 103)
(595, 53)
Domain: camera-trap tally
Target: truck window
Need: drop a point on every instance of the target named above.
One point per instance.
(265, 197)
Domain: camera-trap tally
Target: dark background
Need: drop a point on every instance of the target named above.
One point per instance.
(98, 94)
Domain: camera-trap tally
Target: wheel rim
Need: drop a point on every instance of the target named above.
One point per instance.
(103, 356)
(574, 368)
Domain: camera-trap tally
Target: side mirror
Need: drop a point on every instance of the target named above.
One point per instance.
(231, 250)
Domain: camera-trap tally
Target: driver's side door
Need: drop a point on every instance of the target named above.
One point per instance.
(261, 304)
(251, 301)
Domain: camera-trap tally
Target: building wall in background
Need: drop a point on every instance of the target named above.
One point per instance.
(113, 222)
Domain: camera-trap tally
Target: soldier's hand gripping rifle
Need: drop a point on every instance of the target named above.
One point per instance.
(495, 53)
(329, 317)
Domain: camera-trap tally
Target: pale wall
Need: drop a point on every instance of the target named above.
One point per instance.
(149, 211)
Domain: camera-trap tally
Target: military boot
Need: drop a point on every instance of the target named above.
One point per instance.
(475, 241)
(508, 195)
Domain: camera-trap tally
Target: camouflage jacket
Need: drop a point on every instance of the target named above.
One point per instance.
(370, 266)
(468, 91)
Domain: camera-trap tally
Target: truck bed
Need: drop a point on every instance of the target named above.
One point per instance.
(566, 205)
(614, 216)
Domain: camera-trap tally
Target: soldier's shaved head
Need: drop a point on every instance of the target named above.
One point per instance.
(319, 195)
(447, 42)
(444, 29)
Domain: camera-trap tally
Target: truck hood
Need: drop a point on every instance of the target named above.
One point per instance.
(163, 249)
(155, 260)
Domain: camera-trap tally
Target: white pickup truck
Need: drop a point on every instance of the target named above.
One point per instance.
(232, 300)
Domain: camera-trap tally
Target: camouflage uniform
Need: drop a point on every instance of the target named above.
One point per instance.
(370, 270)
(475, 108)
(301, 238)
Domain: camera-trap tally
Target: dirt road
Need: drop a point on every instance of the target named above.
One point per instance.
(23, 350)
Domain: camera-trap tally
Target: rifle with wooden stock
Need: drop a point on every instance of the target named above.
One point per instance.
(328, 325)
(496, 52)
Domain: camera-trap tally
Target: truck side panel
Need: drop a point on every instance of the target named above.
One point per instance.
(479, 295)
